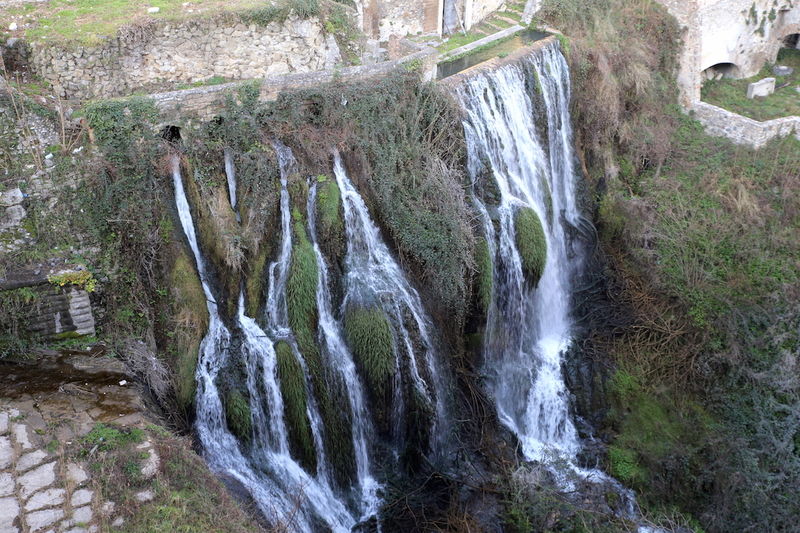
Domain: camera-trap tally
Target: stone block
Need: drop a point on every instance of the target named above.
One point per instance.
(36, 479)
(6, 452)
(45, 498)
(9, 511)
(41, 519)
(763, 87)
(29, 460)
(782, 70)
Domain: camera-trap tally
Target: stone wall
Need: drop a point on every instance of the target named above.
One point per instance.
(181, 108)
(743, 130)
(744, 33)
(164, 53)
(56, 312)
(477, 10)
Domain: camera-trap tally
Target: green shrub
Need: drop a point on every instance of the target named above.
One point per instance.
(531, 243)
(293, 390)
(370, 337)
(238, 415)
(189, 321)
(280, 10)
(301, 288)
(623, 465)
(484, 277)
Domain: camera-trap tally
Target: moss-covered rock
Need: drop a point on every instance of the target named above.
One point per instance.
(370, 337)
(190, 324)
(484, 275)
(330, 222)
(531, 243)
(295, 400)
(303, 318)
(238, 415)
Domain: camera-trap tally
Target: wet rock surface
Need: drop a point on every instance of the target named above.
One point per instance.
(46, 407)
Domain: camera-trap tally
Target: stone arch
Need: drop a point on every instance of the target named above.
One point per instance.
(721, 70)
(171, 133)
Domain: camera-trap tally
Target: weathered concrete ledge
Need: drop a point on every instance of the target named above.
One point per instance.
(743, 130)
(183, 107)
(497, 62)
(467, 48)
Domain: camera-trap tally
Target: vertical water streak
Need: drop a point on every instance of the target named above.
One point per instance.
(373, 277)
(527, 328)
(278, 484)
(340, 360)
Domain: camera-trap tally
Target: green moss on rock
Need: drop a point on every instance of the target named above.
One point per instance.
(330, 223)
(190, 325)
(303, 318)
(237, 415)
(293, 390)
(484, 277)
(370, 337)
(531, 243)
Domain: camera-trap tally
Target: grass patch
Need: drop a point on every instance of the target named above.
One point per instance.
(531, 243)
(302, 307)
(89, 21)
(293, 390)
(105, 438)
(731, 94)
(190, 323)
(188, 497)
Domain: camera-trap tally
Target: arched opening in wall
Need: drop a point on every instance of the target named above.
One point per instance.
(721, 70)
(171, 134)
(792, 41)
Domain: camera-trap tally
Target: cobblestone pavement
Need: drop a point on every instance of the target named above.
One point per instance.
(44, 411)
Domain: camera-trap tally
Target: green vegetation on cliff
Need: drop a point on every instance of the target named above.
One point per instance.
(238, 415)
(370, 337)
(405, 152)
(701, 239)
(484, 277)
(293, 390)
(531, 243)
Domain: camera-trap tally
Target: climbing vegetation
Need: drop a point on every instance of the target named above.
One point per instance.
(293, 390)
(238, 415)
(531, 243)
(370, 337)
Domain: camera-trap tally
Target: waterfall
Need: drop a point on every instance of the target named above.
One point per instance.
(518, 132)
(373, 277)
(340, 359)
(278, 484)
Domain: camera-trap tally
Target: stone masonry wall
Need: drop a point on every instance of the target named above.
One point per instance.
(743, 130)
(165, 54)
(745, 33)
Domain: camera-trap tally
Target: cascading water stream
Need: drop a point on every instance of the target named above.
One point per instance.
(277, 483)
(340, 359)
(373, 277)
(527, 330)
(529, 327)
